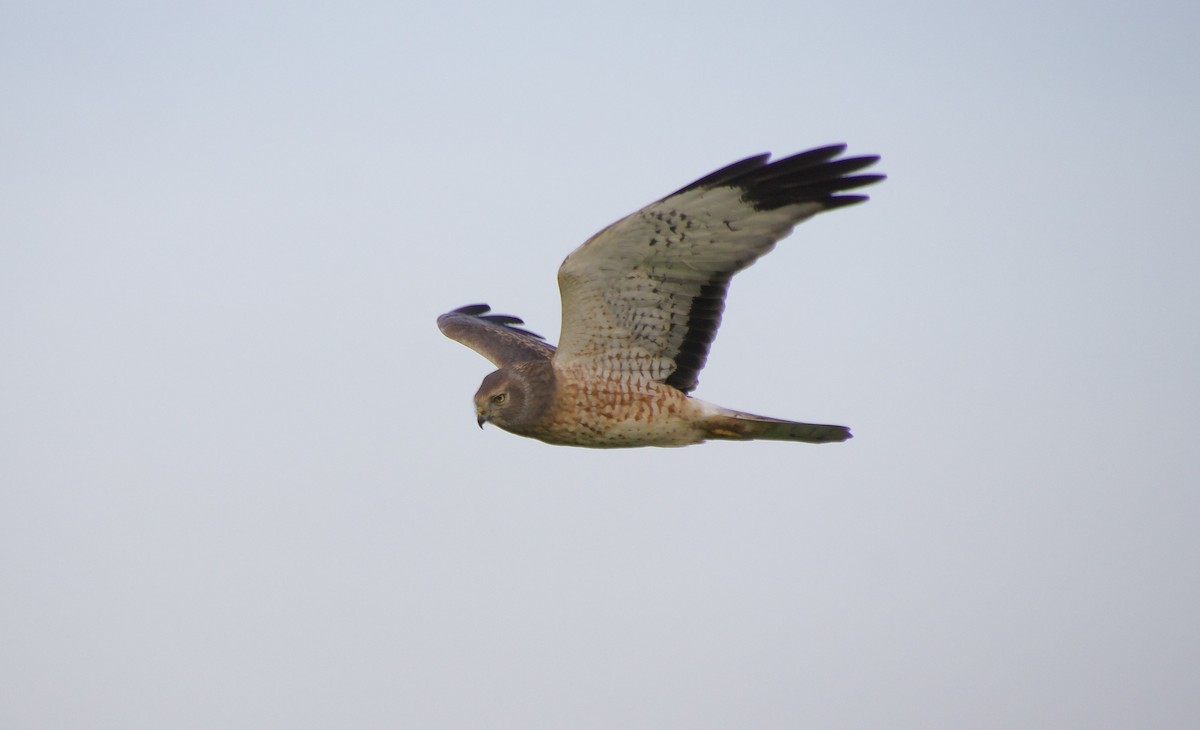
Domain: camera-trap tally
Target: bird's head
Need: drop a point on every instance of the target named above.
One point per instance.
(515, 398)
(497, 400)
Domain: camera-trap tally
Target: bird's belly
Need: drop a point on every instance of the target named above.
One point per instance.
(605, 413)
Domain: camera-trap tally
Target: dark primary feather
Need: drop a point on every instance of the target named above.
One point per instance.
(494, 335)
(812, 176)
(726, 174)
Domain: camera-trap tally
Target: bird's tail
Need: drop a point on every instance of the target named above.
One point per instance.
(738, 426)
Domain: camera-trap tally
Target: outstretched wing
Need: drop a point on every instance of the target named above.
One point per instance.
(646, 294)
(494, 335)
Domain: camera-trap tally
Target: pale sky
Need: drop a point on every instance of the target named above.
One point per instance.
(241, 484)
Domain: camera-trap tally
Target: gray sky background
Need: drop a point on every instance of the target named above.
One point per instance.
(241, 484)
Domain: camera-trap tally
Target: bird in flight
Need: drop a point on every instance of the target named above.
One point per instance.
(641, 303)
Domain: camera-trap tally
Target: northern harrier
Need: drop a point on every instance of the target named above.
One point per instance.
(641, 303)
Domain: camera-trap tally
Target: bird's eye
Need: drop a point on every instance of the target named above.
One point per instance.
(499, 398)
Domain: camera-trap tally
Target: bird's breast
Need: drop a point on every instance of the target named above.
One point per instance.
(604, 409)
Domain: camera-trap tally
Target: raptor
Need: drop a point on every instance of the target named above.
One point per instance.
(641, 304)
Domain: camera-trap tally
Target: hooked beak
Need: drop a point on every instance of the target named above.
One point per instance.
(480, 418)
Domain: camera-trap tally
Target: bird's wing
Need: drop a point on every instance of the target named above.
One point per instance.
(645, 295)
(494, 335)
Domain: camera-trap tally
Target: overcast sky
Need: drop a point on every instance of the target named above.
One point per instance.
(241, 484)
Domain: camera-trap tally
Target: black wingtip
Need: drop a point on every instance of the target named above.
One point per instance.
(813, 176)
(841, 201)
(505, 320)
(817, 175)
(726, 175)
(473, 310)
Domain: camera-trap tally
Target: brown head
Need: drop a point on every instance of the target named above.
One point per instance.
(517, 398)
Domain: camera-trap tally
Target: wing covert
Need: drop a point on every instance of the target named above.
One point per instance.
(494, 336)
